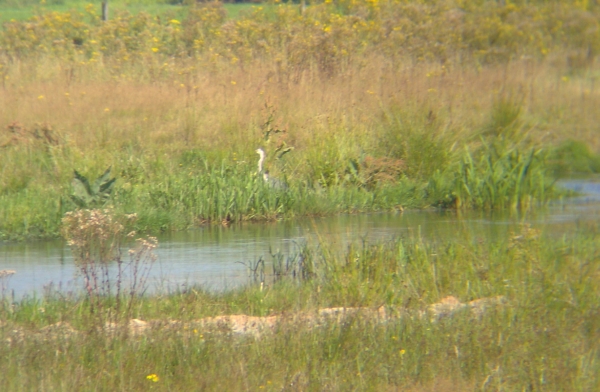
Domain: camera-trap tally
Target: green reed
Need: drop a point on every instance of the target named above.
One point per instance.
(228, 193)
(168, 195)
(512, 179)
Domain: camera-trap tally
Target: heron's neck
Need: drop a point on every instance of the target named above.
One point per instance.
(260, 163)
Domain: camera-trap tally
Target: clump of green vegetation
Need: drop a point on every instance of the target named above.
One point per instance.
(504, 171)
(418, 140)
(96, 194)
(573, 157)
(502, 179)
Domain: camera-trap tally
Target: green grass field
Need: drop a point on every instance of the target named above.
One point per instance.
(23, 10)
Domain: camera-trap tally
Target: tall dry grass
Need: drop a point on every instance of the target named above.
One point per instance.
(225, 110)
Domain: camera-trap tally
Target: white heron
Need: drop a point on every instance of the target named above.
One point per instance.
(261, 160)
(273, 182)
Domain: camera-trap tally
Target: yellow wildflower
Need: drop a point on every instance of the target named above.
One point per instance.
(152, 377)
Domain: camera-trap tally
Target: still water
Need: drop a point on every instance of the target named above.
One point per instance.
(217, 257)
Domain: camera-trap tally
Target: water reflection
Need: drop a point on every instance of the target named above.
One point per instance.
(214, 256)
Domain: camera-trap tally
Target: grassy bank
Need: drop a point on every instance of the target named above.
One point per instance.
(544, 336)
(358, 107)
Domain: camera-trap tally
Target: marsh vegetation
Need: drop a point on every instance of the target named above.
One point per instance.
(382, 105)
(542, 335)
(378, 106)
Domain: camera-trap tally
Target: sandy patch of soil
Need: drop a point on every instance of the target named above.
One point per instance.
(253, 326)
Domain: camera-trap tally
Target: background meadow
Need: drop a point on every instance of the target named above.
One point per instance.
(360, 106)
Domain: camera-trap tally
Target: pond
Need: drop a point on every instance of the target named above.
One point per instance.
(218, 257)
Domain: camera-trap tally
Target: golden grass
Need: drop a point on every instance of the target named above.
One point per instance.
(225, 110)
